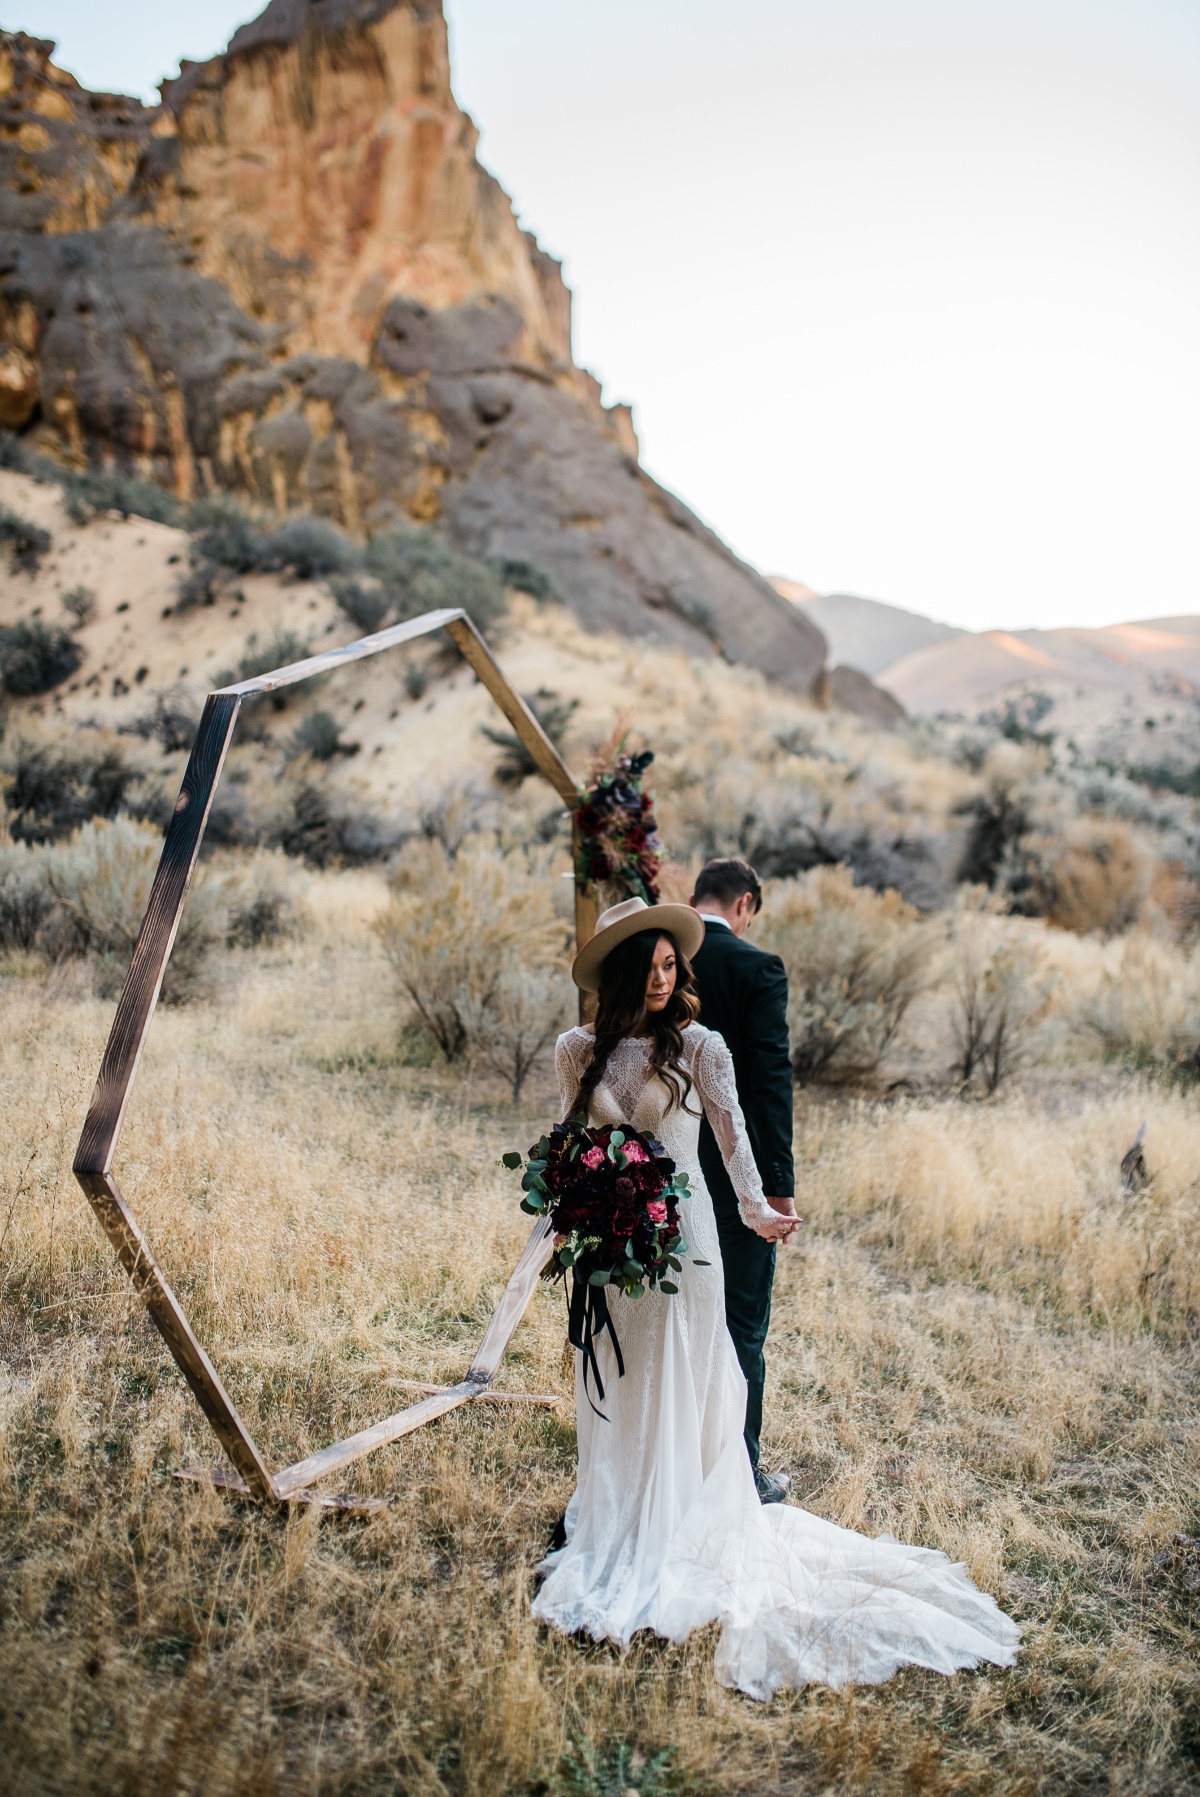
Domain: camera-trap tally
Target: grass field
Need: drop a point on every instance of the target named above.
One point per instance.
(983, 1346)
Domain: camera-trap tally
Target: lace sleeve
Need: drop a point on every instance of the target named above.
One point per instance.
(572, 1052)
(712, 1071)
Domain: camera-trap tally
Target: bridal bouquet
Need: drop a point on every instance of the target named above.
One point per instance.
(613, 1196)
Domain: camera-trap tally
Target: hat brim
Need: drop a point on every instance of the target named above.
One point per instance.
(680, 921)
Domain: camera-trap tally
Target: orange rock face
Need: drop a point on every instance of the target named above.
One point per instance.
(320, 177)
(293, 279)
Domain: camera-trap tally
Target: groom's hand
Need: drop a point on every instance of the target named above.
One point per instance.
(786, 1208)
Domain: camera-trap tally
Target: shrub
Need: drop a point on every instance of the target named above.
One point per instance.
(36, 657)
(224, 533)
(1147, 1009)
(55, 783)
(80, 605)
(327, 829)
(1092, 876)
(552, 713)
(26, 902)
(511, 1026)
(27, 543)
(172, 720)
(855, 961)
(199, 584)
(1001, 994)
(365, 604)
(87, 495)
(280, 649)
(318, 735)
(998, 821)
(310, 547)
(415, 572)
(101, 883)
(459, 932)
(451, 813)
(259, 901)
(84, 495)
(525, 577)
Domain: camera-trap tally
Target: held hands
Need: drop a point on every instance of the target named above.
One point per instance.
(783, 1225)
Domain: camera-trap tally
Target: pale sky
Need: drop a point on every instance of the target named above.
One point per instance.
(905, 293)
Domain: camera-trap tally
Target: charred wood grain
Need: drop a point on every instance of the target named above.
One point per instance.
(156, 938)
(166, 1312)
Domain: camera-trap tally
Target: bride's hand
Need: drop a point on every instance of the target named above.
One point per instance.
(774, 1228)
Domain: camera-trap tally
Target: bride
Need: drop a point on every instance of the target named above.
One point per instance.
(665, 1530)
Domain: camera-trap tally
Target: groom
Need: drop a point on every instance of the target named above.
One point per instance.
(743, 997)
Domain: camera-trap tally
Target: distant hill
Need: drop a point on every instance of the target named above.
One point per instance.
(864, 633)
(957, 674)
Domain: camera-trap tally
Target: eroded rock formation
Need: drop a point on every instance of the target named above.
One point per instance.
(293, 278)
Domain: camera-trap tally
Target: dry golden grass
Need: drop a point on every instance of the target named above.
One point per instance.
(969, 1352)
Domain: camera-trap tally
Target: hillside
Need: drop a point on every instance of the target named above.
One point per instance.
(868, 635)
(294, 280)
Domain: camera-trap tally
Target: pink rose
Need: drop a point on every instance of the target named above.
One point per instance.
(656, 1210)
(593, 1158)
(634, 1151)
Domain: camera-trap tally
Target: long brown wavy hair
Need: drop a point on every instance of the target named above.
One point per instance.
(624, 975)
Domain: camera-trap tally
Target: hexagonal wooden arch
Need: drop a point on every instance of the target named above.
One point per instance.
(123, 1052)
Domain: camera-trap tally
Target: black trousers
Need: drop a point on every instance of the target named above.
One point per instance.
(749, 1266)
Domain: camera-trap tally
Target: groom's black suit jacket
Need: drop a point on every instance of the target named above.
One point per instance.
(743, 996)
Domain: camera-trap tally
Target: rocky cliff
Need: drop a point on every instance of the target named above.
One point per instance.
(294, 279)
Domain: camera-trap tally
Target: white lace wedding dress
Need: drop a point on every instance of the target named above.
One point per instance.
(665, 1530)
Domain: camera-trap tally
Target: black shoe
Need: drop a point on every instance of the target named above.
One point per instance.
(559, 1537)
(772, 1488)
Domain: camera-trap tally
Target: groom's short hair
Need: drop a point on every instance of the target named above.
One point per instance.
(726, 881)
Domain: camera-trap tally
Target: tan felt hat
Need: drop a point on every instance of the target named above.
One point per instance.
(630, 919)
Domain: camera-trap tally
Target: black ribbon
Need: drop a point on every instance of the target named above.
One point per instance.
(588, 1316)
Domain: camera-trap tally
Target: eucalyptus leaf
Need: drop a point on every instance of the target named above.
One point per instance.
(666, 1286)
(511, 1160)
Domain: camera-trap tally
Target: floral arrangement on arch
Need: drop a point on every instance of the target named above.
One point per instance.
(617, 833)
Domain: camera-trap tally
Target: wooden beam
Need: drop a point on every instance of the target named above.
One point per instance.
(166, 1312)
(512, 1307)
(127, 1037)
(156, 938)
(510, 1310)
(546, 1400)
(358, 650)
(220, 1480)
(292, 1479)
(547, 758)
(587, 910)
